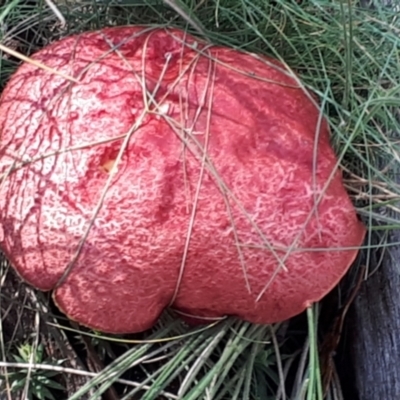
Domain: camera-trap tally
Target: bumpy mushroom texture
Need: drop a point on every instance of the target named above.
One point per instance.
(162, 139)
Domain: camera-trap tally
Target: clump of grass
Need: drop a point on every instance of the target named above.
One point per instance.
(38, 383)
(345, 53)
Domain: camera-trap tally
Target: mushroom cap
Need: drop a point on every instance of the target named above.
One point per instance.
(174, 172)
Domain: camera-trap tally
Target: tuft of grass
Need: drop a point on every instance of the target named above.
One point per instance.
(35, 383)
(348, 56)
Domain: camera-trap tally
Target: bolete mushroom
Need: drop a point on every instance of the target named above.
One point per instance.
(155, 169)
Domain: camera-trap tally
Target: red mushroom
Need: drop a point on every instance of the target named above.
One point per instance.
(169, 172)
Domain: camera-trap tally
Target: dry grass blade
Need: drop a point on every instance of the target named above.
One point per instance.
(36, 63)
(181, 8)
